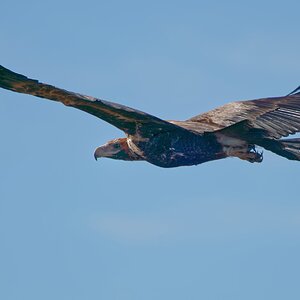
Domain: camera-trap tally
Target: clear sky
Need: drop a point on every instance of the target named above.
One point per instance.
(72, 228)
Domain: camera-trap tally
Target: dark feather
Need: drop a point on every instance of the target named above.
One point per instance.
(129, 120)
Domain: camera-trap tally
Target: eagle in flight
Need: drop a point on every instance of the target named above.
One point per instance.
(232, 130)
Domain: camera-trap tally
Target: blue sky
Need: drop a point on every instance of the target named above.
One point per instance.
(73, 228)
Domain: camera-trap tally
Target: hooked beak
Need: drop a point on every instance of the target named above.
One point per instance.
(95, 156)
(107, 150)
(98, 153)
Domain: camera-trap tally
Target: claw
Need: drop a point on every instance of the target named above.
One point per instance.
(259, 156)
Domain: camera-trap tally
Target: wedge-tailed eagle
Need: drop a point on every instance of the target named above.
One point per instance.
(232, 130)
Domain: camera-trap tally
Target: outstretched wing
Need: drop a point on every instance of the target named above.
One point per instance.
(125, 118)
(277, 117)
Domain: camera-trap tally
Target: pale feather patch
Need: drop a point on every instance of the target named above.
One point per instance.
(134, 148)
(231, 145)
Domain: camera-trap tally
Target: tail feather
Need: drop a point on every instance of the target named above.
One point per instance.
(288, 148)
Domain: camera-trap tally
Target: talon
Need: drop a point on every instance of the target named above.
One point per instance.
(259, 156)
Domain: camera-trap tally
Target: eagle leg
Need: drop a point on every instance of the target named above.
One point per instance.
(252, 155)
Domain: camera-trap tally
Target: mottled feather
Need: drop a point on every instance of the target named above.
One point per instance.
(278, 116)
(125, 118)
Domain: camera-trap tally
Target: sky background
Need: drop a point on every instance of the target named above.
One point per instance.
(73, 228)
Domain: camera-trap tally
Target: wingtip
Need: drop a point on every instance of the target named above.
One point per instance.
(9, 79)
(295, 91)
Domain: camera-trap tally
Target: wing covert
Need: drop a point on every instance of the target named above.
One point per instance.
(278, 116)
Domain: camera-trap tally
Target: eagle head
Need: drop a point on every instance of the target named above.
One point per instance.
(116, 149)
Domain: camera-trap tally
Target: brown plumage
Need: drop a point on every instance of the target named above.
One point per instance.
(230, 130)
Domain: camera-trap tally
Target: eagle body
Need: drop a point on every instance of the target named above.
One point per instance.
(173, 149)
(232, 130)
